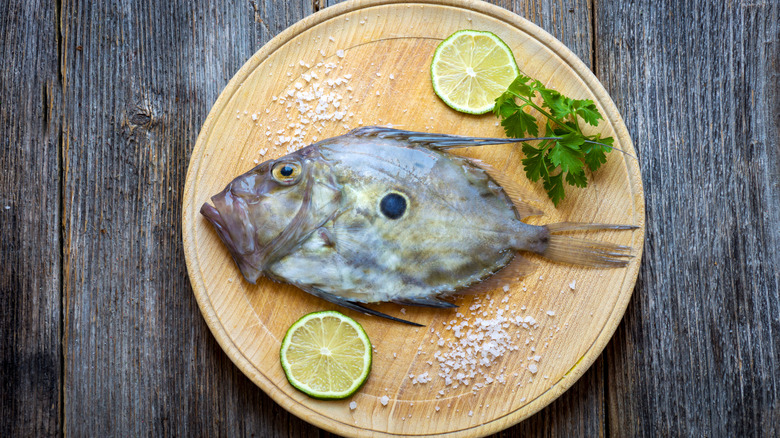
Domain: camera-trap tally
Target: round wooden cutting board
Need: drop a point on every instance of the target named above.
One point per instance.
(367, 63)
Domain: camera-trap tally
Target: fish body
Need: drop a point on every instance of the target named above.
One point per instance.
(380, 214)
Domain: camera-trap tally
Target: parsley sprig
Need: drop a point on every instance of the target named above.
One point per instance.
(565, 157)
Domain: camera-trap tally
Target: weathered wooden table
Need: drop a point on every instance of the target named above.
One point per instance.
(100, 106)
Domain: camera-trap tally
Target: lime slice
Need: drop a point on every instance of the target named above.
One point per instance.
(470, 69)
(326, 355)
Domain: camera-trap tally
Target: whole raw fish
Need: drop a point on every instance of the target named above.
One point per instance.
(381, 214)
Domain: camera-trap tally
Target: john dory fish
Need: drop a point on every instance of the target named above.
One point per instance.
(381, 214)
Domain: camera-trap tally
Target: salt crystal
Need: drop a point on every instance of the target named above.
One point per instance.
(533, 368)
(384, 400)
(537, 358)
(352, 406)
(572, 284)
(550, 313)
(340, 53)
(391, 76)
(331, 38)
(506, 288)
(7, 207)
(471, 413)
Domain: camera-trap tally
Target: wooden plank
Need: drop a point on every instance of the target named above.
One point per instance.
(697, 353)
(30, 258)
(139, 80)
(580, 411)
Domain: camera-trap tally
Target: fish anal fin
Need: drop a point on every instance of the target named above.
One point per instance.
(354, 306)
(518, 267)
(426, 302)
(517, 194)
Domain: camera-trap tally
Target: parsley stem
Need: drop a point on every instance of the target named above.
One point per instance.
(565, 126)
(545, 113)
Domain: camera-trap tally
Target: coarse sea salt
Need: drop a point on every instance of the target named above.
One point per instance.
(384, 400)
(352, 406)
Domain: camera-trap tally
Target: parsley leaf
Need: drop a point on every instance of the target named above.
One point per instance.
(564, 159)
(577, 178)
(517, 124)
(567, 158)
(588, 111)
(596, 154)
(554, 187)
(534, 163)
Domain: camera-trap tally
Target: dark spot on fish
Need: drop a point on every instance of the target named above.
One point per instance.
(393, 205)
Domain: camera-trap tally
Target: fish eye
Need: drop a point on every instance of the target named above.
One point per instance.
(393, 205)
(286, 173)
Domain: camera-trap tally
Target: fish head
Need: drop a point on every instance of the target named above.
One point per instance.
(266, 212)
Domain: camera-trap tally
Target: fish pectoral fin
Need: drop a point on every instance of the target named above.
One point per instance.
(426, 302)
(354, 306)
(437, 141)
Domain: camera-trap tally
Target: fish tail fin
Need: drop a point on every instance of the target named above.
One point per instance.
(585, 252)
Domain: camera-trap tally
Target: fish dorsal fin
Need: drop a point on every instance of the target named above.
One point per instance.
(518, 267)
(436, 141)
(516, 193)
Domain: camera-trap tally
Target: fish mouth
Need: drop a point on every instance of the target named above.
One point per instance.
(222, 225)
(212, 214)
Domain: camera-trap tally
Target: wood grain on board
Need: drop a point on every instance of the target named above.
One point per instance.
(378, 56)
(30, 239)
(698, 351)
(138, 81)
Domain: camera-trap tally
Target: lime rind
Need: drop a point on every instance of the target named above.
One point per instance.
(365, 353)
(472, 95)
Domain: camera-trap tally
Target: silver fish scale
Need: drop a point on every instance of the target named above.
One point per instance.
(455, 232)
